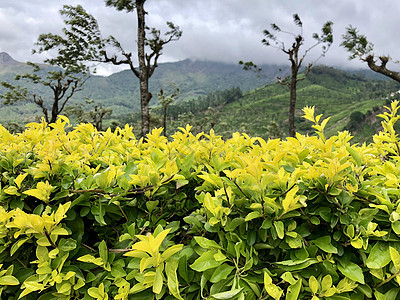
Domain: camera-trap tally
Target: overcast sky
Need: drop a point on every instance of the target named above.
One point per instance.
(216, 30)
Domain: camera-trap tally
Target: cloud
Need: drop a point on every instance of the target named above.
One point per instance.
(223, 30)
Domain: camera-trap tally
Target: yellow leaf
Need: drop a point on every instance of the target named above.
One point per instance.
(314, 284)
(156, 243)
(42, 191)
(145, 262)
(171, 251)
(290, 200)
(137, 253)
(143, 246)
(19, 179)
(357, 243)
(11, 190)
(273, 290)
(61, 211)
(395, 257)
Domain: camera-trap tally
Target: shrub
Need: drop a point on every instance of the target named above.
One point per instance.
(357, 119)
(102, 215)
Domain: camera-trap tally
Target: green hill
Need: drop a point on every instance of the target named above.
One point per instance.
(333, 92)
(120, 91)
(228, 99)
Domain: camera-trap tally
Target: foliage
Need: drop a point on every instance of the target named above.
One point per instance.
(102, 215)
(335, 93)
(356, 120)
(89, 112)
(359, 47)
(165, 99)
(63, 84)
(96, 48)
(63, 75)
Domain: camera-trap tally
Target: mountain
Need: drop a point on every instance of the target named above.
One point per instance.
(7, 60)
(120, 91)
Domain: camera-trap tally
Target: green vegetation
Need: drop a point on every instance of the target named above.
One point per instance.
(333, 92)
(101, 215)
(205, 102)
(194, 79)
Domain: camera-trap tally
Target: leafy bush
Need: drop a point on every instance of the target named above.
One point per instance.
(357, 119)
(102, 215)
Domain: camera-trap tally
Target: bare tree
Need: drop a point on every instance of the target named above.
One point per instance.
(296, 58)
(358, 46)
(63, 75)
(149, 48)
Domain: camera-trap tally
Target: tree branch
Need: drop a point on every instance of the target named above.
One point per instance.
(370, 59)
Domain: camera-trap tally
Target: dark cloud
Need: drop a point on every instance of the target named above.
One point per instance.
(223, 30)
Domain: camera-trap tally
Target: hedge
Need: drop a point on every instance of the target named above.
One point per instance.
(104, 215)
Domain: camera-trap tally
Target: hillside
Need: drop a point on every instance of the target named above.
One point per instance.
(120, 91)
(333, 92)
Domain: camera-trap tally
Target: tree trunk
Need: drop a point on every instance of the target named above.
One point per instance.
(292, 106)
(165, 121)
(54, 111)
(145, 96)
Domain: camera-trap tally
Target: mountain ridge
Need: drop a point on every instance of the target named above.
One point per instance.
(7, 60)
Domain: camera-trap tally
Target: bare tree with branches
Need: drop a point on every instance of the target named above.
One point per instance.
(325, 39)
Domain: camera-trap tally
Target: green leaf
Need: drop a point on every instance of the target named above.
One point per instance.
(396, 227)
(326, 282)
(206, 243)
(379, 256)
(63, 288)
(183, 269)
(356, 156)
(206, 261)
(221, 273)
(8, 280)
(67, 244)
(366, 290)
(171, 251)
(293, 290)
(291, 265)
(103, 251)
(227, 295)
(232, 224)
(118, 271)
(95, 293)
(288, 277)
(280, 229)
(324, 243)
(172, 278)
(158, 280)
(253, 215)
(17, 245)
(351, 270)
(273, 290)
(151, 205)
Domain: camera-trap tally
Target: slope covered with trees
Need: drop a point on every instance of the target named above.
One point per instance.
(333, 92)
